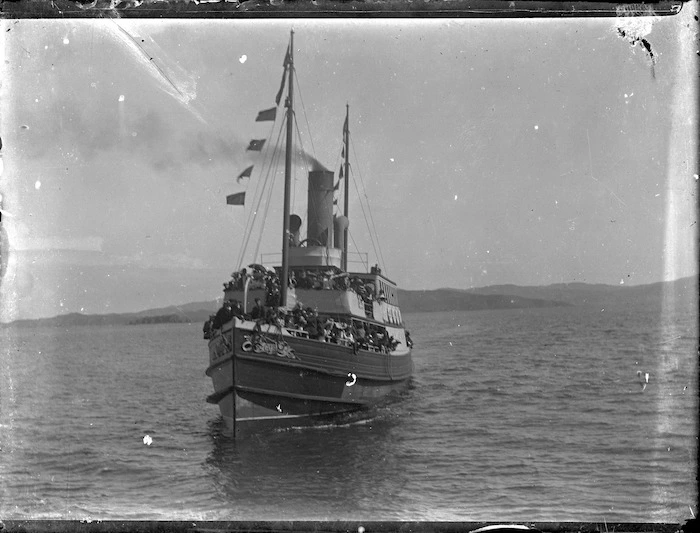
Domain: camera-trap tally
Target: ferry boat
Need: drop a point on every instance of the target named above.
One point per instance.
(310, 339)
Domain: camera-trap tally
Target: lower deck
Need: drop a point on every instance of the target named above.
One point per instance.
(269, 373)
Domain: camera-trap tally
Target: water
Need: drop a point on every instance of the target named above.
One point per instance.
(530, 415)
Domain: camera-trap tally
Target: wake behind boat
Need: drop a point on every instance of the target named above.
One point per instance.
(308, 339)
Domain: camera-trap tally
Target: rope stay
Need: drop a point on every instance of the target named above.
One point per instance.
(270, 165)
(374, 235)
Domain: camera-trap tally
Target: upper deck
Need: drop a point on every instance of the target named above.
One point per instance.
(364, 295)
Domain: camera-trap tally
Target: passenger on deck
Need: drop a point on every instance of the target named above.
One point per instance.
(304, 282)
(346, 336)
(223, 315)
(281, 319)
(236, 309)
(206, 329)
(380, 340)
(311, 329)
(393, 343)
(360, 335)
(258, 311)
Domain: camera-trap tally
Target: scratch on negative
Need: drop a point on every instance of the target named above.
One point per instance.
(183, 91)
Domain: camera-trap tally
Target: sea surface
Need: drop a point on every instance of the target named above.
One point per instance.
(515, 415)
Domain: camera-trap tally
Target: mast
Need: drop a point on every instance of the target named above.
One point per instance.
(346, 140)
(284, 281)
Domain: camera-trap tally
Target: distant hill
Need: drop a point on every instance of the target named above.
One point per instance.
(192, 312)
(460, 300)
(683, 291)
(160, 319)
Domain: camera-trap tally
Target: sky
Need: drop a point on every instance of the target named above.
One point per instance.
(489, 151)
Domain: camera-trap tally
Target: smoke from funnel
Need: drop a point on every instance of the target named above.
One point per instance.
(205, 149)
(314, 164)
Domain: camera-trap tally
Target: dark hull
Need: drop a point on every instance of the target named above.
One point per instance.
(282, 379)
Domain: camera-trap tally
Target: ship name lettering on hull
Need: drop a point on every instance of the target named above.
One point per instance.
(261, 344)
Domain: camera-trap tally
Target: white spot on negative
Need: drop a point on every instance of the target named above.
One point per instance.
(121, 97)
(455, 196)
(243, 58)
(65, 40)
(537, 127)
(147, 440)
(37, 185)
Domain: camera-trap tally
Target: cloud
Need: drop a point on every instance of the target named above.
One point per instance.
(77, 244)
(164, 261)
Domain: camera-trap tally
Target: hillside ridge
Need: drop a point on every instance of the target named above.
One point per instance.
(683, 291)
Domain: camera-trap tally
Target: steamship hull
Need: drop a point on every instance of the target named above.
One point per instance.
(278, 379)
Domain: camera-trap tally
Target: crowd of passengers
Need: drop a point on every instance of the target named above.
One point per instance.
(356, 334)
(330, 279)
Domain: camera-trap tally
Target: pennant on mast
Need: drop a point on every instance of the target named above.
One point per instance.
(267, 115)
(236, 199)
(287, 62)
(245, 174)
(256, 145)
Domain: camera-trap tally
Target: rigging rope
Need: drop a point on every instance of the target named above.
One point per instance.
(269, 178)
(306, 118)
(258, 194)
(272, 162)
(373, 230)
(358, 252)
